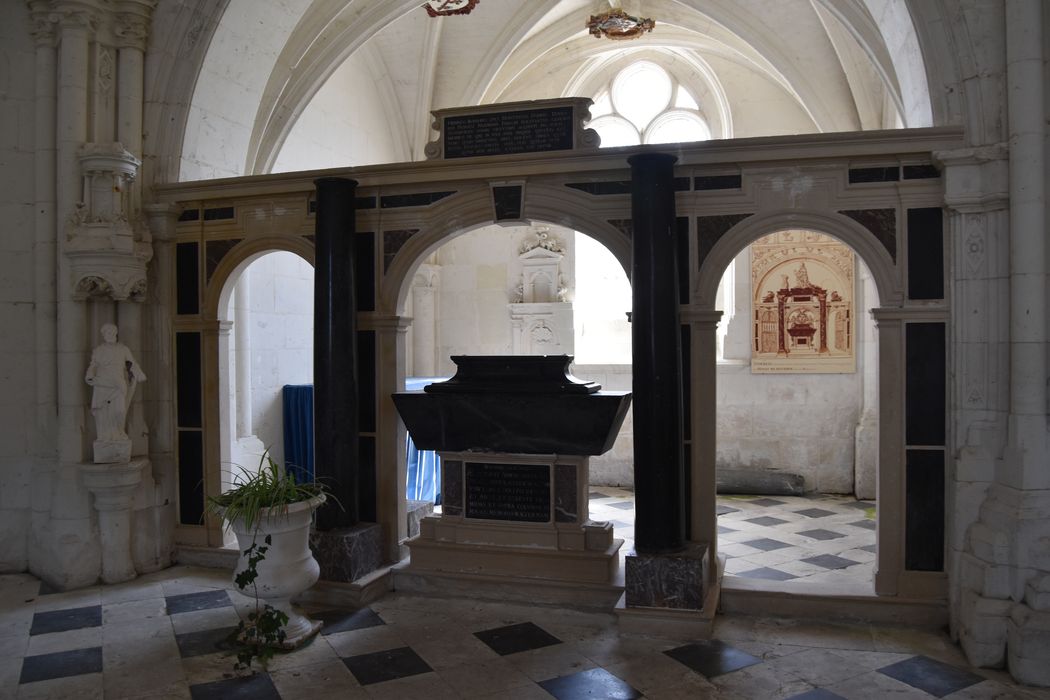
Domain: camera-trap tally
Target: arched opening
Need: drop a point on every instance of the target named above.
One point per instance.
(265, 363)
(538, 289)
(796, 413)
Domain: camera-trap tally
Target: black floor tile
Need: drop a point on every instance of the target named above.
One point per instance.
(204, 642)
(65, 620)
(815, 512)
(256, 687)
(862, 505)
(766, 520)
(766, 544)
(934, 677)
(347, 620)
(189, 602)
(865, 524)
(869, 548)
(768, 574)
(622, 505)
(712, 658)
(817, 694)
(595, 494)
(386, 665)
(595, 683)
(61, 665)
(723, 530)
(766, 502)
(821, 534)
(515, 638)
(722, 510)
(830, 561)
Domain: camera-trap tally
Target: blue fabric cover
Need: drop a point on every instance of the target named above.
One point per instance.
(424, 466)
(298, 402)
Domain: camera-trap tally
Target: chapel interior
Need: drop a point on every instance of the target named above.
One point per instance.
(787, 262)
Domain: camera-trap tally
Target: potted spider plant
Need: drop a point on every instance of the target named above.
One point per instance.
(270, 513)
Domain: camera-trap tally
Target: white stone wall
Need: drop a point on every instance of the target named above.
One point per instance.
(18, 277)
(281, 336)
(615, 467)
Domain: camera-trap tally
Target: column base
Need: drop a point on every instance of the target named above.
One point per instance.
(676, 581)
(347, 554)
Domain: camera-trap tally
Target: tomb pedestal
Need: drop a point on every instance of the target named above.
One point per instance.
(515, 434)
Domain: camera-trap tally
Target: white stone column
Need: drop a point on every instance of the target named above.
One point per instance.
(866, 434)
(242, 313)
(703, 523)
(1026, 465)
(890, 479)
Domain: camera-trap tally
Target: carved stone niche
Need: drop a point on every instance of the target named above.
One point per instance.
(541, 317)
(107, 245)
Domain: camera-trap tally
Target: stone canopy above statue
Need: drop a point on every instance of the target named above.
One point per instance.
(524, 404)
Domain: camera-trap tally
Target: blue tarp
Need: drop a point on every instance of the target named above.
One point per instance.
(424, 466)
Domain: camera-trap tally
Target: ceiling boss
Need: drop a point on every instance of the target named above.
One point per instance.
(443, 8)
(617, 24)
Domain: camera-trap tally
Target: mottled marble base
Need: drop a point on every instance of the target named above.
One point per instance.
(347, 554)
(668, 580)
(416, 511)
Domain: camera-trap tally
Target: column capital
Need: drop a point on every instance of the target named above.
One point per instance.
(163, 217)
(976, 179)
(696, 316)
(45, 22)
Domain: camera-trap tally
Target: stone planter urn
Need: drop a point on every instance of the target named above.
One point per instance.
(288, 567)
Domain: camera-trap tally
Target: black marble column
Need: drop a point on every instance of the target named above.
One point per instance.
(335, 351)
(659, 464)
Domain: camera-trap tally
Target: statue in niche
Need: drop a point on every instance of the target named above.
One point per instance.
(802, 277)
(113, 374)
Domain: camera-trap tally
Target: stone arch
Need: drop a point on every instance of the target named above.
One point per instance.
(217, 294)
(875, 256)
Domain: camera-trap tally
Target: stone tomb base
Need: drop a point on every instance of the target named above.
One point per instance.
(520, 516)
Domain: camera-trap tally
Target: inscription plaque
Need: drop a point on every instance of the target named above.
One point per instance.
(516, 492)
(505, 133)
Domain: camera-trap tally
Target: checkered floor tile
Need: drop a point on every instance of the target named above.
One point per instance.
(166, 635)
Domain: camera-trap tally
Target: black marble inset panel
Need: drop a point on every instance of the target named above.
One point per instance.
(188, 379)
(63, 664)
(681, 184)
(506, 202)
(766, 544)
(504, 133)
(815, 512)
(595, 683)
(366, 381)
(624, 226)
(187, 278)
(347, 620)
(190, 215)
(366, 478)
(565, 492)
(926, 253)
(934, 677)
(682, 242)
(830, 561)
(192, 602)
(388, 665)
(420, 199)
(205, 642)
(602, 188)
(881, 222)
(924, 510)
(65, 620)
(925, 384)
(367, 202)
(718, 182)
(710, 228)
(452, 487)
(821, 534)
(393, 241)
(254, 687)
(513, 639)
(925, 171)
(214, 251)
(767, 574)
(365, 270)
(219, 213)
(712, 658)
(515, 492)
(191, 476)
(880, 174)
